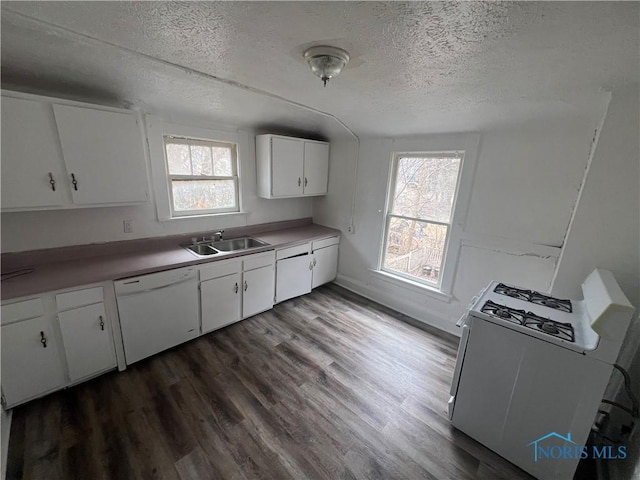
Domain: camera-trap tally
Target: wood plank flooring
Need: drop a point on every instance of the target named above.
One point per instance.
(325, 386)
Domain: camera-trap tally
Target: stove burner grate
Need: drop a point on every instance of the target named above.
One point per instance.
(534, 297)
(563, 331)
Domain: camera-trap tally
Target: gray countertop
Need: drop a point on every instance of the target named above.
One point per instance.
(59, 271)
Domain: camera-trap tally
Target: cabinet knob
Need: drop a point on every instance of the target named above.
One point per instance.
(310, 265)
(52, 182)
(299, 181)
(101, 322)
(314, 262)
(245, 286)
(74, 182)
(43, 340)
(236, 288)
(305, 181)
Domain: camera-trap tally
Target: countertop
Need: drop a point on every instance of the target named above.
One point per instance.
(128, 259)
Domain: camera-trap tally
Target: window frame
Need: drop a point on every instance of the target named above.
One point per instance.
(156, 128)
(457, 218)
(171, 177)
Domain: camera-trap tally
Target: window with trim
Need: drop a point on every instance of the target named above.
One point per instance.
(419, 217)
(202, 176)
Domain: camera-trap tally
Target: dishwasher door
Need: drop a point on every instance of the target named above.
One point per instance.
(157, 311)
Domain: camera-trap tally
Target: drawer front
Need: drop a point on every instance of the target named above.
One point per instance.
(79, 298)
(251, 262)
(22, 310)
(220, 269)
(292, 251)
(326, 242)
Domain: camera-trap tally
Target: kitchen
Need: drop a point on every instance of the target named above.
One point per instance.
(542, 99)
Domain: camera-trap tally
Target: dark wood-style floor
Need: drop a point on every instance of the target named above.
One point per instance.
(325, 386)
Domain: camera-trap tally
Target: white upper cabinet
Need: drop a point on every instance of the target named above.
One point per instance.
(57, 155)
(103, 154)
(33, 174)
(291, 167)
(286, 167)
(316, 168)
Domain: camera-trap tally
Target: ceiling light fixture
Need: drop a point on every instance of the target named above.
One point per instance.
(326, 62)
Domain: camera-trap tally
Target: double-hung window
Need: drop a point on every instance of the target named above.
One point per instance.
(419, 217)
(202, 176)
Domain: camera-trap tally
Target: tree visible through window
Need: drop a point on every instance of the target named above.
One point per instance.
(203, 176)
(419, 215)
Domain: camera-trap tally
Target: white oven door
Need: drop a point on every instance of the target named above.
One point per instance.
(462, 347)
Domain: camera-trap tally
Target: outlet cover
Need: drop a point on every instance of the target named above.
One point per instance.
(128, 226)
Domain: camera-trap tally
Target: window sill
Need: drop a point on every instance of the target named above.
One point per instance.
(415, 286)
(205, 216)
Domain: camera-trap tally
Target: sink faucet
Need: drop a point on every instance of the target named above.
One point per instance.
(217, 236)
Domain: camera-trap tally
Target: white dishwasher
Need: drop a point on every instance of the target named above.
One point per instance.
(157, 311)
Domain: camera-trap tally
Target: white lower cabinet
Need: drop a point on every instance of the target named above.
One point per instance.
(233, 289)
(87, 341)
(53, 341)
(325, 265)
(31, 362)
(257, 286)
(301, 268)
(220, 299)
(294, 277)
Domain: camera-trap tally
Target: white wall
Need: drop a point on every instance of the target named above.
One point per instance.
(54, 228)
(605, 233)
(526, 185)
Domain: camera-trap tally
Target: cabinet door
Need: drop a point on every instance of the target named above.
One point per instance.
(30, 152)
(257, 286)
(103, 152)
(325, 265)
(220, 301)
(293, 277)
(316, 168)
(286, 167)
(30, 367)
(86, 335)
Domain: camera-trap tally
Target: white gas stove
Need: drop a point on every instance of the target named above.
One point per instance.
(530, 365)
(558, 321)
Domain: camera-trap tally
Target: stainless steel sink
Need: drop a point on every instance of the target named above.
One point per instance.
(202, 249)
(235, 244)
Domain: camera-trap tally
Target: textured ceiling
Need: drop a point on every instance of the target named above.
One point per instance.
(417, 67)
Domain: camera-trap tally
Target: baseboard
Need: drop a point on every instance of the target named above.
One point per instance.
(5, 426)
(406, 307)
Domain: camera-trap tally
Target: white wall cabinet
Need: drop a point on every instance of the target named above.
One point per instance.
(291, 167)
(316, 168)
(58, 154)
(31, 156)
(53, 341)
(103, 154)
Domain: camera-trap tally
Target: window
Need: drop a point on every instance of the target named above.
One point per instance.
(420, 206)
(202, 175)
